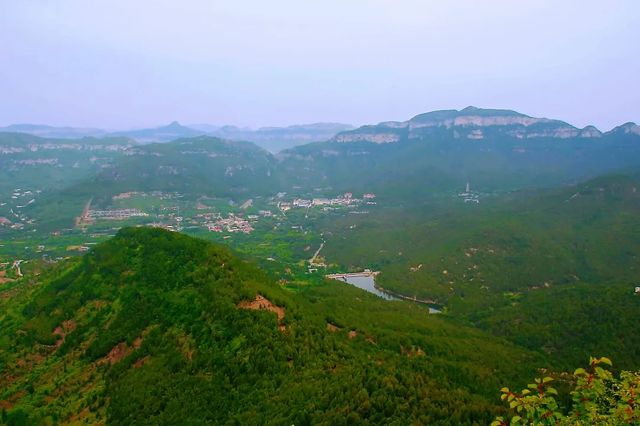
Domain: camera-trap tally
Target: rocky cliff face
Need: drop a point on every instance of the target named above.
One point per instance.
(470, 123)
(590, 132)
(382, 133)
(626, 129)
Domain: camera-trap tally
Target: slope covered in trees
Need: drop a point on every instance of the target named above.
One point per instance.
(195, 166)
(554, 271)
(152, 326)
(34, 162)
(440, 150)
(191, 167)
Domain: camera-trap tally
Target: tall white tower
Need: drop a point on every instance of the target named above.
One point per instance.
(468, 188)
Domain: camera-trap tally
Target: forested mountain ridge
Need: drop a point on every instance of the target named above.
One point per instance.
(585, 232)
(50, 163)
(192, 167)
(434, 161)
(153, 325)
(201, 165)
(433, 152)
(552, 270)
(493, 149)
(157, 326)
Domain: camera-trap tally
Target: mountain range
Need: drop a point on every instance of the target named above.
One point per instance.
(495, 149)
(429, 155)
(270, 138)
(469, 123)
(475, 124)
(152, 326)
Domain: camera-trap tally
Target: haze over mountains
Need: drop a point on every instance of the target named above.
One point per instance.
(46, 131)
(191, 232)
(550, 232)
(275, 139)
(469, 123)
(430, 155)
(474, 123)
(272, 139)
(496, 149)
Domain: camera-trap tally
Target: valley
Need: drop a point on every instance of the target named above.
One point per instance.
(319, 213)
(165, 263)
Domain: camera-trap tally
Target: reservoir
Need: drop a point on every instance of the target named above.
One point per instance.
(366, 281)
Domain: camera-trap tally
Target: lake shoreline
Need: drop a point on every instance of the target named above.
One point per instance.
(355, 278)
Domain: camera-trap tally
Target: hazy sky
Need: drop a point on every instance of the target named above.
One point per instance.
(133, 63)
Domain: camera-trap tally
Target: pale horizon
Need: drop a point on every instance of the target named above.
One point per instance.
(117, 65)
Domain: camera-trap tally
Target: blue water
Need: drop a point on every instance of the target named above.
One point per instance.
(367, 283)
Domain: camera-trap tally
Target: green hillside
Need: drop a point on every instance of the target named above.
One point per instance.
(552, 270)
(427, 157)
(196, 166)
(412, 169)
(151, 327)
(53, 164)
(201, 166)
(440, 150)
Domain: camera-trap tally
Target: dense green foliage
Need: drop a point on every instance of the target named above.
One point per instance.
(192, 167)
(196, 166)
(587, 232)
(570, 322)
(164, 306)
(554, 270)
(416, 168)
(45, 163)
(598, 398)
(147, 326)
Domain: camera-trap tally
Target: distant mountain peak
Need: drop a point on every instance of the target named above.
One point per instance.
(173, 130)
(590, 132)
(626, 128)
(469, 123)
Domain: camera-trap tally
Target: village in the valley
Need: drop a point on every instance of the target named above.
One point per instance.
(222, 216)
(327, 204)
(221, 219)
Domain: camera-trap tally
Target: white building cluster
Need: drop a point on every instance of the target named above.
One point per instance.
(345, 199)
(117, 214)
(231, 223)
